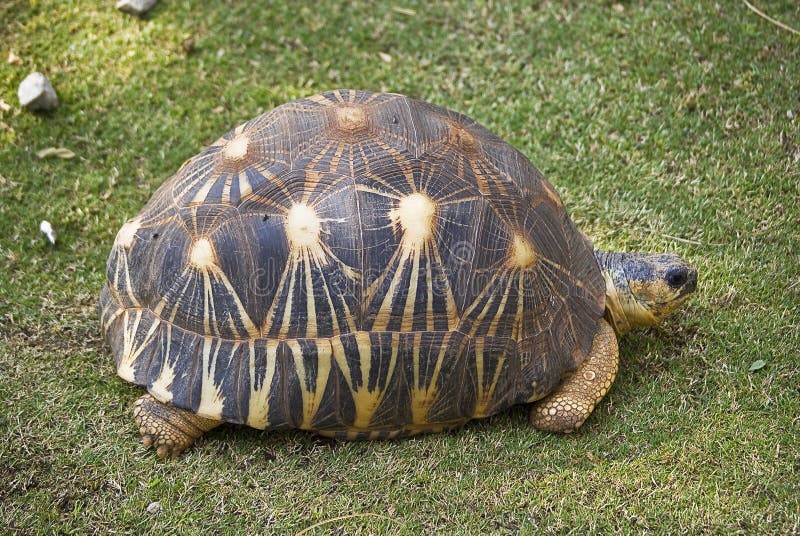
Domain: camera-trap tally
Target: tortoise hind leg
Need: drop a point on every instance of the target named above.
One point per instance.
(169, 429)
(566, 408)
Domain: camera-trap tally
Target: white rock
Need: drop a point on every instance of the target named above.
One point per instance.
(48, 231)
(37, 93)
(137, 7)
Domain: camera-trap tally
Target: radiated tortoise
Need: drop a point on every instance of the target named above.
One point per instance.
(367, 266)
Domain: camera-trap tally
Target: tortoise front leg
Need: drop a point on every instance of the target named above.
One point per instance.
(169, 429)
(566, 408)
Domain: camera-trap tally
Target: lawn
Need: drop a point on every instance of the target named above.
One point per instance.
(664, 126)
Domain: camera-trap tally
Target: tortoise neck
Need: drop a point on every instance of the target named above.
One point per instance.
(617, 289)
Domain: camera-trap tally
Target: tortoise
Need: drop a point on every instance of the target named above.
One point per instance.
(367, 266)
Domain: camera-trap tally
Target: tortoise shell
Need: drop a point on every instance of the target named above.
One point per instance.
(355, 263)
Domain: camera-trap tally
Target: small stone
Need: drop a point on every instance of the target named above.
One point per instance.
(136, 7)
(37, 93)
(46, 228)
(188, 44)
(55, 152)
(13, 59)
(154, 508)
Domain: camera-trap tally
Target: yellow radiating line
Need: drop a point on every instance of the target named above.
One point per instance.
(245, 188)
(258, 412)
(500, 310)
(125, 369)
(247, 322)
(547, 280)
(275, 181)
(202, 193)
(419, 396)
(365, 188)
(480, 178)
(316, 160)
(429, 324)
(318, 99)
(560, 269)
(127, 335)
(374, 177)
(479, 366)
(367, 173)
(373, 287)
(232, 325)
(226, 189)
(312, 399)
(452, 310)
(384, 313)
(478, 321)
(485, 395)
(128, 284)
(211, 399)
(162, 387)
(347, 313)
(112, 316)
(163, 302)
(311, 300)
(439, 360)
(398, 157)
(411, 298)
(351, 162)
(310, 184)
(365, 401)
(340, 357)
(422, 398)
(483, 293)
(520, 308)
(337, 155)
(455, 201)
(192, 181)
(122, 259)
(268, 320)
(287, 311)
(208, 300)
(495, 173)
(366, 406)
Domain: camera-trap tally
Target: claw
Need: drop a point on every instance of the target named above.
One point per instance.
(169, 429)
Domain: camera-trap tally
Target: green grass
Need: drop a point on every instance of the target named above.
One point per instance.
(664, 127)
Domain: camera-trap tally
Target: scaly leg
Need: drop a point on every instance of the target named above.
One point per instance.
(169, 429)
(566, 408)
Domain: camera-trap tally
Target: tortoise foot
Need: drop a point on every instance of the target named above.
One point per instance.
(571, 403)
(168, 429)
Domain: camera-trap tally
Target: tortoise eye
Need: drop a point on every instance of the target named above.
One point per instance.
(677, 277)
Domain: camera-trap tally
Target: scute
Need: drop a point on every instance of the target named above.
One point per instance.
(354, 263)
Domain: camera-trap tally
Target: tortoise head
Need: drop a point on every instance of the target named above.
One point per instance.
(642, 289)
